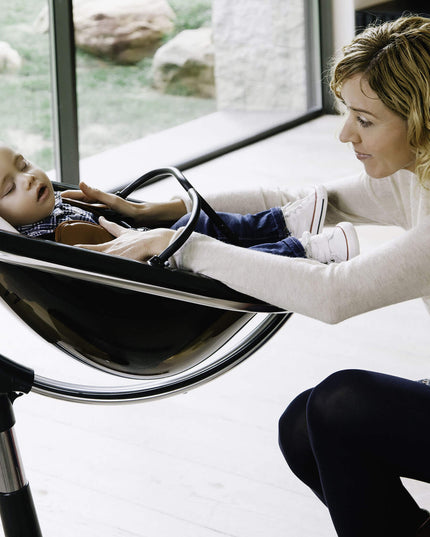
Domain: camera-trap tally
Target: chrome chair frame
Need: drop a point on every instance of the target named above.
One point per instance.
(47, 283)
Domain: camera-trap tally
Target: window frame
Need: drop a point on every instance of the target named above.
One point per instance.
(63, 84)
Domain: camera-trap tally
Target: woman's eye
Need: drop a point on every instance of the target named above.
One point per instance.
(363, 122)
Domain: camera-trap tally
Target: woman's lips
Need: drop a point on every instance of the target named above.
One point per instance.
(362, 156)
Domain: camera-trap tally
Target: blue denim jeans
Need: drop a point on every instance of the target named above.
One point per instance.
(265, 231)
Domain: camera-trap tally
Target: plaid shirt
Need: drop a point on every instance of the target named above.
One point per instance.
(62, 212)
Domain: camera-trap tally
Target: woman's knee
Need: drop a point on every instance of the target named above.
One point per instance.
(341, 402)
(295, 444)
(339, 405)
(293, 427)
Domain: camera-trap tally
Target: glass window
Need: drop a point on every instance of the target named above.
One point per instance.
(25, 104)
(139, 68)
(141, 71)
(249, 67)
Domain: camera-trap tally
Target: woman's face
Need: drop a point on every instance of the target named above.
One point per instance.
(377, 134)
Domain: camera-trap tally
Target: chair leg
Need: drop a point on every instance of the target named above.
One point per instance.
(17, 511)
(424, 530)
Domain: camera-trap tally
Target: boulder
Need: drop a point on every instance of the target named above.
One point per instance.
(185, 64)
(10, 60)
(124, 31)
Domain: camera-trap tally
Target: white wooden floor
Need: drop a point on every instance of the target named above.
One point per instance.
(206, 463)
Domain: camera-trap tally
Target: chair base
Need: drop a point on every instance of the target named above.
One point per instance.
(18, 514)
(17, 510)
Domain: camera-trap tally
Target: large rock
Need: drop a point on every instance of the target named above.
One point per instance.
(124, 31)
(10, 60)
(185, 65)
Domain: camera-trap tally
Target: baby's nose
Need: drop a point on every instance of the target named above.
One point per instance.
(29, 181)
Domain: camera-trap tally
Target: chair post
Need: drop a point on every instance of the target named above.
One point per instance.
(17, 511)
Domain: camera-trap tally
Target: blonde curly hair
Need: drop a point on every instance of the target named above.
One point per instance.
(394, 59)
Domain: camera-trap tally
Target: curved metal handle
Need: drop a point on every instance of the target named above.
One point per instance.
(159, 173)
(198, 203)
(161, 259)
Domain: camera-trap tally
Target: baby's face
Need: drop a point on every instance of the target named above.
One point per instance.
(26, 193)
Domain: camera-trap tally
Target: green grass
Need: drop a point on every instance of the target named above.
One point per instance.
(116, 103)
(191, 14)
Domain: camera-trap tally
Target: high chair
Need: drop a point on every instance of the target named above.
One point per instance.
(166, 330)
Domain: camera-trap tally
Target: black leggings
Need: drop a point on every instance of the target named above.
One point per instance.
(351, 438)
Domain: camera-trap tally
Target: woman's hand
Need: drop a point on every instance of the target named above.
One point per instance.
(149, 213)
(132, 244)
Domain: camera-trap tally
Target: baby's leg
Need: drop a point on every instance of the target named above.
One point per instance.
(332, 246)
(250, 229)
(288, 247)
(304, 215)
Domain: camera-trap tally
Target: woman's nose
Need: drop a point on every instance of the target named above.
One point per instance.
(348, 133)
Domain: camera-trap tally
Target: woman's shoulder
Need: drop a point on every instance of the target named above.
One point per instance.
(402, 181)
(404, 191)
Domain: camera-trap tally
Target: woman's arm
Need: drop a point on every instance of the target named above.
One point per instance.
(395, 272)
(251, 200)
(358, 199)
(355, 199)
(364, 200)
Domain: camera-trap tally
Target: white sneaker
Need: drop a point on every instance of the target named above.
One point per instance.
(307, 214)
(332, 246)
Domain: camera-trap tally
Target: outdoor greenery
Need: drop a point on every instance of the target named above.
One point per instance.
(116, 103)
(191, 14)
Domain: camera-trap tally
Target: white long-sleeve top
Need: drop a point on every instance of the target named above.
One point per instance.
(398, 270)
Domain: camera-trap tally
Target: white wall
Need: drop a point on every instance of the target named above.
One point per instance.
(343, 22)
(259, 54)
(360, 4)
(344, 19)
(260, 50)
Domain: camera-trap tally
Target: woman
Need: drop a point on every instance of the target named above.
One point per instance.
(351, 437)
